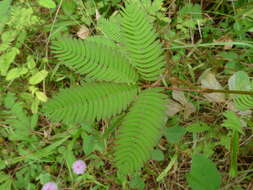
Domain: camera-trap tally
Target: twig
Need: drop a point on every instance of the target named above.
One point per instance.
(203, 90)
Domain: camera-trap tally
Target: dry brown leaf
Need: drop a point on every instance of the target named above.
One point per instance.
(188, 110)
(173, 108)
(179, 96)
(83, 32)
(208, 80)
(187, 106)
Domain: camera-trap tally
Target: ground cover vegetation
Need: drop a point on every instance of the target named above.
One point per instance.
(135, 94)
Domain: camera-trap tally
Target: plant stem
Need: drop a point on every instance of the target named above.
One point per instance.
(204, 90)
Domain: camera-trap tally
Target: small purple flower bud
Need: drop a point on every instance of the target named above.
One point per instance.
(50, 186)
(79, 167)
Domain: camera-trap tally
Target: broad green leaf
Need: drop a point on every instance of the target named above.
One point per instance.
(157, 155)
(41, 96)
(35, 106)
(30, 62)
(239, 81)
(137, 182)
(89, 144)
(92, 143)
(15, 73)
(9, 36)
(197, 127)
(174, 134)
(7, 59)
(38, 77)
(68, 7)
(50, 4)
(204, 174)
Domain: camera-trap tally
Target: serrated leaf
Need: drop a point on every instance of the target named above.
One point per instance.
(204, 174)
(38, 77)
(50, 4)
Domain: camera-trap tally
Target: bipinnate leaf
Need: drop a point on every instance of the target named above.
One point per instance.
(240, 81)
(98, 58)
(140, 131)
(204, 174)
(93, 101)
(140, 41)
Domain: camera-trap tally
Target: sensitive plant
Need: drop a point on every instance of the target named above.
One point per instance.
(115, 73)
(128, 56)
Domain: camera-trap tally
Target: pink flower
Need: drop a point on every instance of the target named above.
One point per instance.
(79, 167)
(50, 186)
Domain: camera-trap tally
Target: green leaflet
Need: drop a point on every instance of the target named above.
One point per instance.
(110, 29)
(203, 174)
(90, 102)
(96, 58)
(128, 51)
(140, 131)
(140, 41)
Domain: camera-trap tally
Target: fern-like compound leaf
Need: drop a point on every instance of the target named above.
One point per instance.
(90, 102)
(97, 60)
(240, 81)
(140, 40)
(110, 29)
(140, 131)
